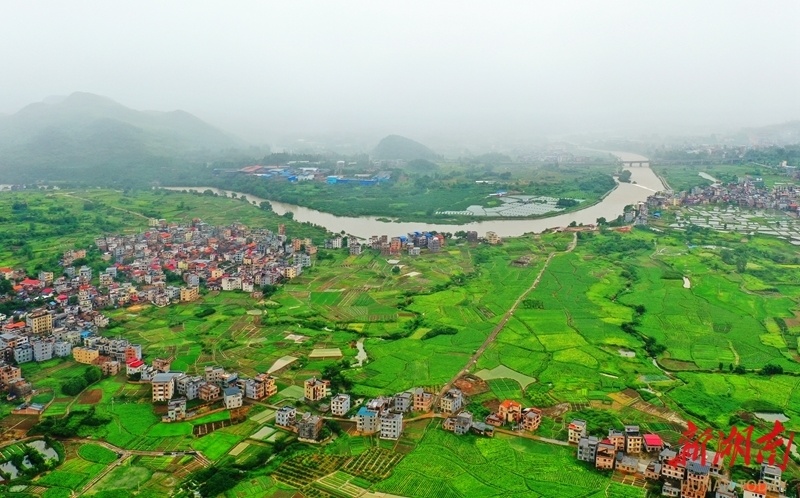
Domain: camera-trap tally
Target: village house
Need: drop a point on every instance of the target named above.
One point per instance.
(531, 419)
(587, 449)
(110, 368)
(286, 416)
(576, 430)
(232, 397)
(633, 439)
(460, 424)
(315, 390)
(309, 427)
(391, 425)
(176, 410)
(422, 400)
(773, 476)
(208, 392)
(163, 386)
(626, 464)
(605, 455)
(260, 387)
(340, 404)
(86, 356)
(452, 401)
(697, 482)
(367, 421)
(653, 443)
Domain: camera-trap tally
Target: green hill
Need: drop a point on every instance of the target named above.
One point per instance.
(397, 147)
(86, 134)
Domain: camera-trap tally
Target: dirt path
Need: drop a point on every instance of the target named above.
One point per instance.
(501, 325)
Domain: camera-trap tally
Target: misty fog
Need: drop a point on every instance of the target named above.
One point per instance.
(440, 71)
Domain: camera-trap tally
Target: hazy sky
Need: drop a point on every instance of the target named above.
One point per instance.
(258, 68)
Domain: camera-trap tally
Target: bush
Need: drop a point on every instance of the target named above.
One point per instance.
(205, 312)
(440, 330)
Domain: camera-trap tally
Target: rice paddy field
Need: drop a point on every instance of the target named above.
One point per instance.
(499, 466)
(580, 345)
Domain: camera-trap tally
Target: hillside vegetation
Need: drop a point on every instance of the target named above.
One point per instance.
(397, 147)
(89, 135)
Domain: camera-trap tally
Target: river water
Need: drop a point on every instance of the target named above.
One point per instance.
(646, 183)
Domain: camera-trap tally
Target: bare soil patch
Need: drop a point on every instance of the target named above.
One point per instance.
(471, 385)
(91, 397)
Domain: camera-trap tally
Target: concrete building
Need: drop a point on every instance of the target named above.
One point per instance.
(576, 430)
(208, 391)
(531, 419)
(309, 427)
(587, 449)
(42, 349)
(286, 416)
(633, 439)
(40, 321)
(232, 397)
(367, 421)
(23, 353)
(605, 455)
(110, 368)
(340, 405)
(391, 425)
(214, 374)
(85, 355)
(176, 410)
(315, 390)
(452, 401)
(189, 387)
(259, 387)
(697, 482)
(189, 294)
(402, 402)
(772, 475)
(492, 238)
(422, 400)
(163, 386)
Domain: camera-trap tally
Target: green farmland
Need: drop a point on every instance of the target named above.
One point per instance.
(645, 327)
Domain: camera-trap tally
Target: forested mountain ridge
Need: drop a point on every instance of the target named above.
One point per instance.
(61, 138)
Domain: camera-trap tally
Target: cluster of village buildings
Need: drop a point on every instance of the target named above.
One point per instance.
(413, 243)
(747, 192)
(383, 416)
(629, 451)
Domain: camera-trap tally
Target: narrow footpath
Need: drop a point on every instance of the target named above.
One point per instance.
(501, 325)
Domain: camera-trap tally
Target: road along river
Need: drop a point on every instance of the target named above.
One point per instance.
(643, 183)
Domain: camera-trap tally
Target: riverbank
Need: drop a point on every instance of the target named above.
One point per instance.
(644, 182)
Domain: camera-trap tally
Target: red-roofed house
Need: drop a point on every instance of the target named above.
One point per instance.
(14, 326)
(30, 282)
(509, 411)
(6, 273)
(653, 442)
(133, 367)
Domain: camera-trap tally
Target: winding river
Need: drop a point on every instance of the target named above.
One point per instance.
(611, 206)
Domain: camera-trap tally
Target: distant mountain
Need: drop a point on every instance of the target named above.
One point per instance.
(68, 136)
(397, 147)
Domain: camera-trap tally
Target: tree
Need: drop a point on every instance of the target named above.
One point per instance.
(601, 221)
(395, 269)
(770, 369)
(5, 286)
